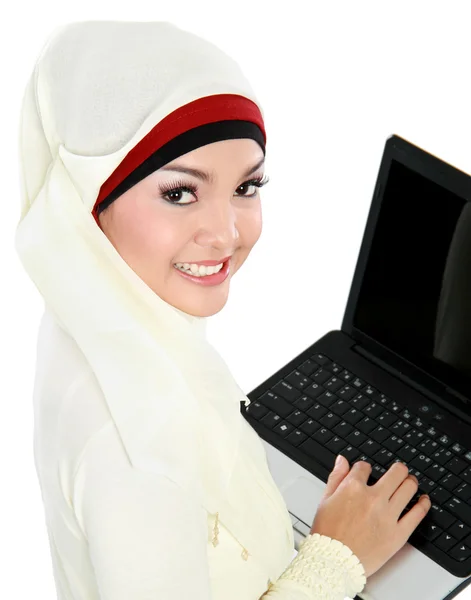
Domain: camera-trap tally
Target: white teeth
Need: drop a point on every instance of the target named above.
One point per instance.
(198, 270)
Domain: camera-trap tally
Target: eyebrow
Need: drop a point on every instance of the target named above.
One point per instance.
(204, 175)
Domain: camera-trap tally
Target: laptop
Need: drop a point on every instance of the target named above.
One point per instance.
(394, 383)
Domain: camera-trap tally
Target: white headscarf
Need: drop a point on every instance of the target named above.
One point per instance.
(98, 87)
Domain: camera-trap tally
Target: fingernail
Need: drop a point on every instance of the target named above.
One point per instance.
(338, 460)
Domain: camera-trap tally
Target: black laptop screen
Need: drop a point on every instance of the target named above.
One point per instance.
(415, 298)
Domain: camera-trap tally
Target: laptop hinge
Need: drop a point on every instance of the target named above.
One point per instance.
(436, 396)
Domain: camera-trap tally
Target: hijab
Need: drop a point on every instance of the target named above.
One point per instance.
(104, 99)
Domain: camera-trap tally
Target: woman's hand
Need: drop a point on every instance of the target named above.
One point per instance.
(365, 517)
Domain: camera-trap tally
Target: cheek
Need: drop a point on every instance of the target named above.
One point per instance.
(251, 227)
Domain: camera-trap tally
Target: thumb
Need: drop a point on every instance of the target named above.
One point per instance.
(340, 470)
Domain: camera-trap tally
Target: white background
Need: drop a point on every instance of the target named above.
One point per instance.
(335, 79)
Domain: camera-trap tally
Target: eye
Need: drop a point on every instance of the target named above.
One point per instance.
(169, 191)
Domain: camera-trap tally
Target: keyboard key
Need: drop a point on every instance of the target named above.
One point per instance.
(297, 379)
(450, 482)
(314, 390)
(445, 541)
(405, 414)
(394, 407)
(358, 383)
(276, 404)
(304, 403)
(322, 435)
(426, 485)
(257, 410)
(317, 411)
(435, 472)
(336, 444)
(429, 530)
(400, 428)
(456, 465)
(407, 453)
(346, 376)
(428, 446)
(440, 517)
(283, 428)
(442, 456)
(340, 407)
(371, 393)
(440, 495)
(308, 367)
(460, 552)
(466, 475)
(310, 426)
(459, 530)
(321, 376)
(330, 420)
(343, 429)
(386, 419)
(287, 391)
(461, 510)
(351, 453)
(370, 447)
(433, 433)
(384, 457)
(463, 491)
(380, 433)
(373, 410)
(418, 423)
(393, 443)
(366, 425)
(334, 368)
(327, 399)
(334, 384)
(271, 420)
(353, 416)
(347, 392)
(317, 451)
(458, 449)
(445, 440)
(321, 359)
(421, 462)
(296, 437)
(296, 418)
(360, 401)
(356, 438)
(414, 437)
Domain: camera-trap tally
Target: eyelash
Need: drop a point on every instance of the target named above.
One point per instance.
(181, 186)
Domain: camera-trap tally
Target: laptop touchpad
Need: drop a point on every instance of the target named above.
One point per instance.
(302, 497)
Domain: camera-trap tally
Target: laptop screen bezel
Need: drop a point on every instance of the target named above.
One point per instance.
(453, 179)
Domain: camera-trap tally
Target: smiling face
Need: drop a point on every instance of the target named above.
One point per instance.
(153, 228)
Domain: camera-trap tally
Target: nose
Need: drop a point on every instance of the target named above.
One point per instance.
(218, 226)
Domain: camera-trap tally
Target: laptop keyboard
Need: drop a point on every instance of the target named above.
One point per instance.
(323, 410)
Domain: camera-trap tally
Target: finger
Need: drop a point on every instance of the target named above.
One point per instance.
(388, 483)
(338, 473)
(413, 517)
(361, 470)
(403, 495)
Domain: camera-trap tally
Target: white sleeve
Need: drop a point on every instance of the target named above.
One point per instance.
(147, 538)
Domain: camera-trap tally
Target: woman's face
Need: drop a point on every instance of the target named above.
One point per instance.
(219, 218)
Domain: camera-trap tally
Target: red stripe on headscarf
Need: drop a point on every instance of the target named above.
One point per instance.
(219, 107)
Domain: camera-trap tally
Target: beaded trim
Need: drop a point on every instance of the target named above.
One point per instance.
(215, 541)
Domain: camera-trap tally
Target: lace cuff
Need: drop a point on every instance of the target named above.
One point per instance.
(323, 568)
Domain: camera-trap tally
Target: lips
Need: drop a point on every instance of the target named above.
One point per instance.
(206, 263)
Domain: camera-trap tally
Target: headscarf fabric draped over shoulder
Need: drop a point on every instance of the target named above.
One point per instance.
(98, 90)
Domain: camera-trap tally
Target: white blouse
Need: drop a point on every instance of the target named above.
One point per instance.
(117, 533)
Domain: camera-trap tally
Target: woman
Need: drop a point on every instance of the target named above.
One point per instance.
(154, 485)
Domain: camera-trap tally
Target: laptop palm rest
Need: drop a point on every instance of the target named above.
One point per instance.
(408, 575)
